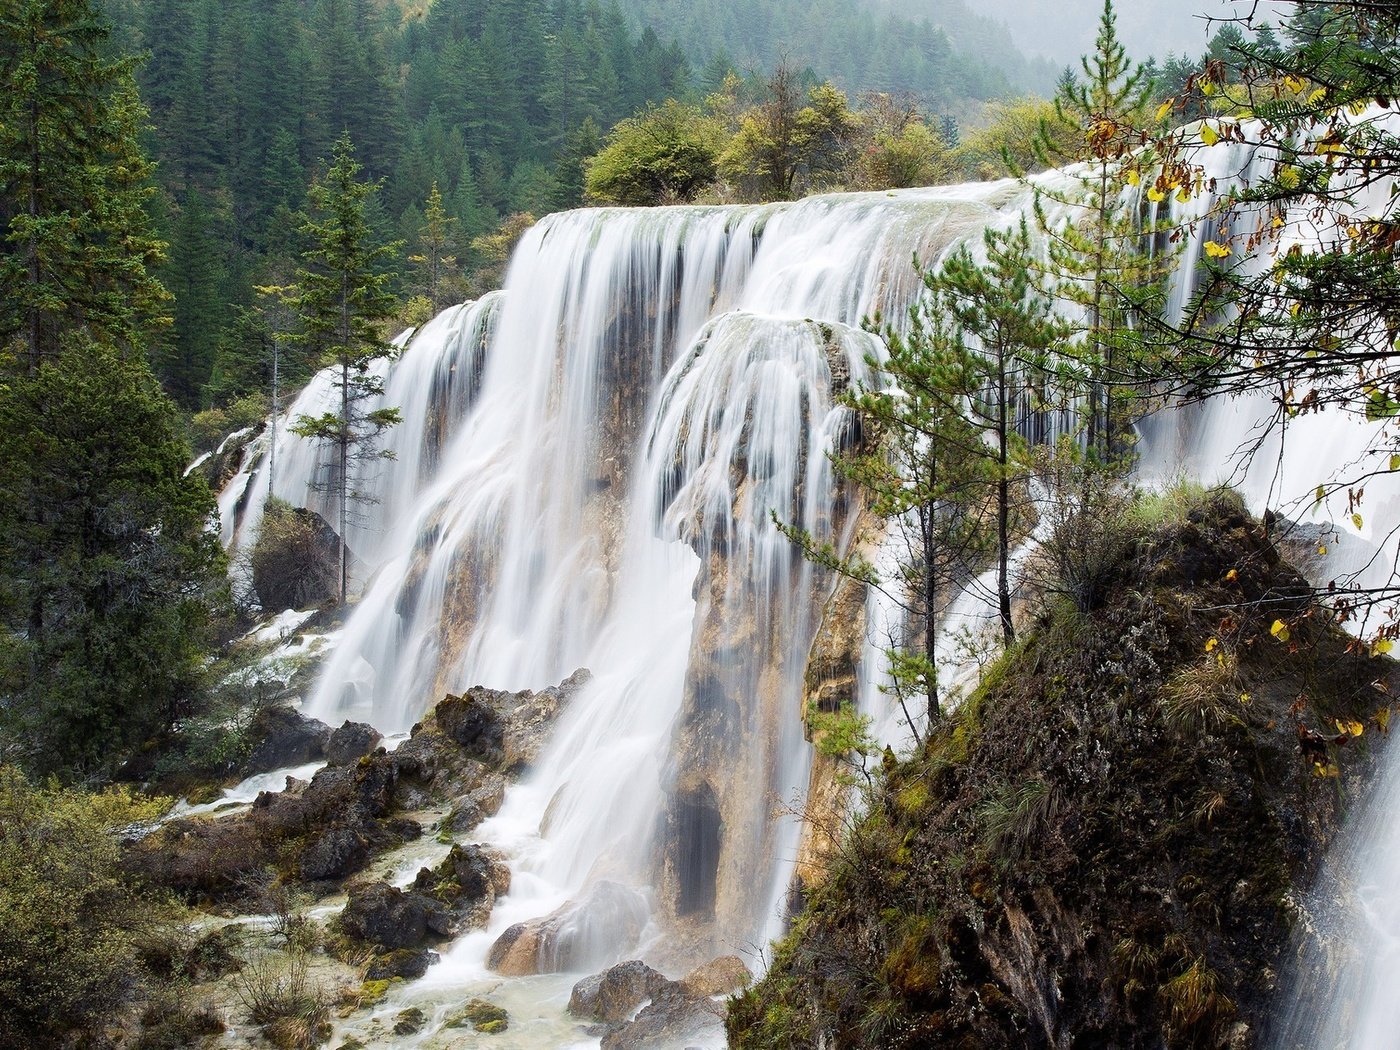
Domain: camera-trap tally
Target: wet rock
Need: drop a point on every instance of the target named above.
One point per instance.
(527, 727)
(473, 722)
(351, 742)
(724, 976)
(575, 936)
(481, 1016)
(671, 1019)
(467, 883)
(404, 963)
(482, 802)
(407, 1022)
(389, 918)
(614, 995)
(333, 854)
(285, 738)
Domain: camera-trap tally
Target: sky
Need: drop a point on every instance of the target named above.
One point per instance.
(1062, 30)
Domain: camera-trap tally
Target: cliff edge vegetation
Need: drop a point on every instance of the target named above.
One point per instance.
(1104, 845)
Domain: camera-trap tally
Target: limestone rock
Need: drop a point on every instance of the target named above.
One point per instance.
(671, 1019)
(723, 976)
(575, 936)
(351, 742)
(613, 995)
(404, 963)
(388, 917)
(285, 738)
(333, 854)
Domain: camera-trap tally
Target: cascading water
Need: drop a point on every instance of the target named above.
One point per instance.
(585, 478)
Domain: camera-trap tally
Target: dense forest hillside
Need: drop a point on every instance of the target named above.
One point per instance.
(941, 52)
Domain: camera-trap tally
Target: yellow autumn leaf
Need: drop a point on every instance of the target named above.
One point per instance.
(1245, 698)
(1317, 96)
(1132, 178)
(1395, 461)
(1232, 575)
(1208, 135)
(1155, 195)
(1216, 250)
(1356, 520)
(1183, 194)
(1288, 177)
(1280, 630)
(1207, 89)
(1210, 645)
(1164, 109)
(1382, 646)
(1322, 548)
(1383, 719)
(1295, 83)
(1350, 728)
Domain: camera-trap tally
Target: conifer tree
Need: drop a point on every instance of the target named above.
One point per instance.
(343, 300)
(109, 564)
(1096, 256)
(433, 261)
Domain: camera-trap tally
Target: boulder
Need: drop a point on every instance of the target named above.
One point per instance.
(351, 742)
(577, 935)
(614, 995)
(671, 1019)
(333, 854)
(389, 918)
(285, 738)
(466, 882)
(480, 1015)
(296, 561)
(474, 807)
(404, 963)
(723, 976)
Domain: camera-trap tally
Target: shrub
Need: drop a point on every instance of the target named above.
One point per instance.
(294, 561)
(70, 920)
(279, 994)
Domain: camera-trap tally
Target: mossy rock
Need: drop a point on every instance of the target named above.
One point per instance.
(480, 1015)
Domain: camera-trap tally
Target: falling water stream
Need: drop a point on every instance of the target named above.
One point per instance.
(586, 476)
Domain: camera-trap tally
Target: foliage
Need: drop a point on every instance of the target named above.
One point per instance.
(1299, 292)
(111, 572)
(343, 300)
(782, 147)
(894, 147)
(279, 995)
(70, 922)
(1102, 256)
(78, 249)
(665, 155)
(1006, 144)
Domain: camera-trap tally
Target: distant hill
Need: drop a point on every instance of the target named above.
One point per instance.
(936, 49)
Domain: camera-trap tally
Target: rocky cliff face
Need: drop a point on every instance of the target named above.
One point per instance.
(1104, 845)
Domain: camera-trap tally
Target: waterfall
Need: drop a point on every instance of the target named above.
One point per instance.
(586, 476)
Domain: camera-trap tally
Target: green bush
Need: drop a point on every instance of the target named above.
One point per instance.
(71, 923)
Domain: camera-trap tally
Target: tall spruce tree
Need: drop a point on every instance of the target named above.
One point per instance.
(109, 563)
(344, 302)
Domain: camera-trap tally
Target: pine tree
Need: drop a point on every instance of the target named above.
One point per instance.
(434, 263)
(1097, 259)
(343, 301)
(109, 564)
(1006, 329)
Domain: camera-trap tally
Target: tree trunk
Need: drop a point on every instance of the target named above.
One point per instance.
(1003, 502)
